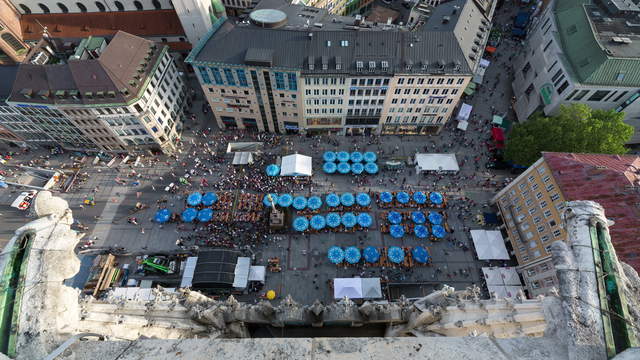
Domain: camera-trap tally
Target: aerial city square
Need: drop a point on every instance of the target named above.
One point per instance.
(320, 179)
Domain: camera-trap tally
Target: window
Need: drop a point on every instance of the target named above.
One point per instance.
(293, 81)
(535, 186)
(544, 267)
(63, 8)
(552, 223)
(533, 211)
(544, 238)
(555, 197)
(563, 87)
(25, 9)
(228, 74)
(547, 45)
(531, 272)
(15, 44)
(138, 5)
(81, 7)
(242, 77)
(156, 4)
(598, 95)
(582, 94)
(526, 68)
(620, 96)
(557, 233)
(537, 219)
(543, 204)
(119, 5)
(547, 213)
(550, 187)
(204, 75)
(540, 228)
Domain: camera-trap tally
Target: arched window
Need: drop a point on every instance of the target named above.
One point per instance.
(81, 7)
(44, 8)
(63, 8)
(138, 5)
(15, 44)
(100, 6)
(25, 9)
(119, 5)
(156, 4)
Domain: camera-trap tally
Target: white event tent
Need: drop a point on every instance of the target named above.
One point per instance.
(296, 165)
(489, 245)
(436, 162)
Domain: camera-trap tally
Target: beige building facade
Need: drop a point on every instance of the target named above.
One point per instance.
(12, 48)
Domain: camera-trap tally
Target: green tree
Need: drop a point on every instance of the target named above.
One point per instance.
(577, 128)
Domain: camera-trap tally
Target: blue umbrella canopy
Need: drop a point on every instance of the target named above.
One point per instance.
(299, 202)
(402, 197)
(371, 254)
(386, 197)
(349, 219)
(318, 222)
(370, 156)
(300, 223)
(420, 254)
(333, 219)
(421, 231)
(419, 197)
(395, 254)
(273, 170)
(365, 220)
(194, 199)
(162, 216)
(267, 202)
(205, 215)
(357, 168)
(343, 156)
(332, 200)
(435, 218)
(329, 167)
(335, 254)
(371, 168)
(329, 156)
(356, 157)
(352, 255)
(285, 200)
(438, 231)
(347, 199)
(209, 199)
(394, 217)
(363, 199)
(397, 231)
(189, 214)
(344, 168)
(314, 203)
(418, 217)
(436, 197)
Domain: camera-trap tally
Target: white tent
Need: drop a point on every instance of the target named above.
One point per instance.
(257, 273)
(478, 78)
(371, 288)
(189, 269)
(296, 165)
(464, 112)
(436, 162)
(242, 158)
(349, 287)
(241, 273)
(489, 245)
(463, 125)
(504, 281)
(484, 63)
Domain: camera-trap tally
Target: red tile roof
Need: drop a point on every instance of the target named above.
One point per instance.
(611, 180)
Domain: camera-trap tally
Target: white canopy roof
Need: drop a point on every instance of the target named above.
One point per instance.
(349, 287)
(189, 269)
(257, 273)
(484, 63)
(464, 112)
(371, 288)
(296, 165)
(501, 276)
(436, 162)
(243, 146)
(242, 158)
(489, 245)
(462, 125)
(241, 273)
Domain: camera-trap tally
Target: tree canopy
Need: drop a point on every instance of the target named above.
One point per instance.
(577, 128)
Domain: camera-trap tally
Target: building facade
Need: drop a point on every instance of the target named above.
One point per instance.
(580, 51)
(12, 47)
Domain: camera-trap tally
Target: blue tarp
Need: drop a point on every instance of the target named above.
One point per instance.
(386, 197)
(418, 217)
(357, 168)
(370, 156)
(314, 203)
(421, 231)
(273, 170)
(265, 199)
(347, 199)
(397, 231)
(162, 216)
(333, 219)
(395, 254)
(329, 156)
(420, 254)
(365, 220)
(436, 197)
(352, 255)
(300, 223)
(371, 254)
(344, 168)
(438, 231)
(402, 197)
(356, 157)
(394, 217)
(363, 199)
(371, 168)
(209, 199)
(299, 202)
(332, 200)
(285, 200)
(194, 199)
(348, 219)
(189, 214)
(205, 215)
(317, 222)
(335, 254)
(435, 218)
(419, 197)
(343, 156)
(329, 167)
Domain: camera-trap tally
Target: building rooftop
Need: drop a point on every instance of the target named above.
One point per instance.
(8, 75)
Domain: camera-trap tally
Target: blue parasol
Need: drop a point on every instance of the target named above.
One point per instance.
(343, 156)
(209, 199)
(421, 231)
(395, 254)
(285, 200)
(347, 199)
(394, 217)
(314, 203)
(205, 215)
(420, 254)
(438, 231)
(418, 217)
(162, 216)
(317, 222)
(348, 220)
(329, 167)
(386, 197)
(352, 255)
(356, 157)
(332, 200)
(194, 199)
(365, 220)
(371, 254)
(300, 223)
(397, 231)
(344, 168)
(435, 218)
(267, 202)
(329, 156)
(299, 202)
(419, 197)
(335, 254)
(357, 168)
(370, 156)
(402, 197)
(363, 199)
(333, 220)
(273, 170)
(371, 168)
(436, 197)
(189, 214)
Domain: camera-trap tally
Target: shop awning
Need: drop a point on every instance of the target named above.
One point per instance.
(241, 273)
(497, 120)
(349, 287)
(371, 288)
(464, 112)
(296, 165)
(489, 245)
(491, 49)
(189, 269)
(436, 162)
(497, 134)
(463, 125)
(242, 158)
(484, 63)
(257, 273)
(244, 146)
